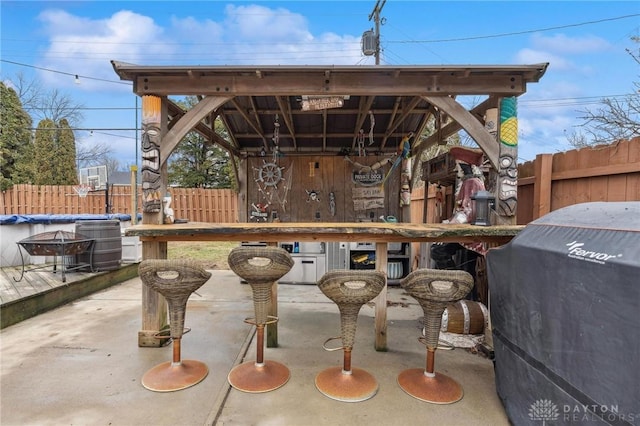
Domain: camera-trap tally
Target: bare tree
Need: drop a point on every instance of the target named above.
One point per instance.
(615, 119)
(97, 154)
(47, 104)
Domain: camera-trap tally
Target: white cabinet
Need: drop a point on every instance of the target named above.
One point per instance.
(307, 269)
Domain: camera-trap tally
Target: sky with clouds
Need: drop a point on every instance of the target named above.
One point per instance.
(589, 45)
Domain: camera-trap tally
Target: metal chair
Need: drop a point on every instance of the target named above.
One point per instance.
(349, 289)
(261, 267)
(434, 289)
(176, 280)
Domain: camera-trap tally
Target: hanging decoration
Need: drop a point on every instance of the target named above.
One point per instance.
(373, 123)
(332, 203)
(364, 168)
(362, 152)
(272, 181)
(404, 152)
(405, 182)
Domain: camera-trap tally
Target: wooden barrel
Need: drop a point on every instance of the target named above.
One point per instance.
(464, 317)
(107, 249)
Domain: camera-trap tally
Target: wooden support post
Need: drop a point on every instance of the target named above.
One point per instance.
(154, 126)
(542, 185)
(154, 306)
(134, 195)
(381, 300)
(272, 329)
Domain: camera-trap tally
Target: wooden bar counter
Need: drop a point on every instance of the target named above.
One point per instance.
(380, 233)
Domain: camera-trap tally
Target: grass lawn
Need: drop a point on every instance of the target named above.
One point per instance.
(212, 254)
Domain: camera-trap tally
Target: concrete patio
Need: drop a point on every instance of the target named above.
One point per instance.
(80, 364)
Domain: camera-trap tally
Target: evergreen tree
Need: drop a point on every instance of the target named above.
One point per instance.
(43, 156)
(65, 156)
(197, 162)
(15, 138)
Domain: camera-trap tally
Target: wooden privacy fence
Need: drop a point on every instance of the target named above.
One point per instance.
(194, 204)
(600, 173)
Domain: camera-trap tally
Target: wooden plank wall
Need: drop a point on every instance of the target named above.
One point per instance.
(194, 204)
(290, 202)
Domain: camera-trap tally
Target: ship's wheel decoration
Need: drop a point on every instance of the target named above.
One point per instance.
(273, 184)
(270, 174)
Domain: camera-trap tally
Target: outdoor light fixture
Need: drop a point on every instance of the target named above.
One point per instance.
(485, 202)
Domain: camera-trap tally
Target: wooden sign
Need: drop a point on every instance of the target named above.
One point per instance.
(368, 204)
(367, 178)
(368, 192)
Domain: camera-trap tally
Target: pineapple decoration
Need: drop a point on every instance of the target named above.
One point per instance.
(508, 161)
(509, 122)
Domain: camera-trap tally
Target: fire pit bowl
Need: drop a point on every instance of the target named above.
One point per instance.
(56, 244)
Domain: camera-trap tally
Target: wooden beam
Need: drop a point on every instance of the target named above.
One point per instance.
(405, 113)
(176, 112)
(454, 126)
(188, 122)
(285, 109)
(341, 84)
(392, 116)
(473, 127)
(250, 121)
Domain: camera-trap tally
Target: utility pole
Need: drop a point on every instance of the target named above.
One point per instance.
(375, 14)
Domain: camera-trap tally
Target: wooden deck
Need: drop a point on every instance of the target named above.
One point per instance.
(41, 290)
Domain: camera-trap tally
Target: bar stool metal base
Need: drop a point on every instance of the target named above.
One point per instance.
(440, 389)
(355, 387)
(166, 377)
(253, 378)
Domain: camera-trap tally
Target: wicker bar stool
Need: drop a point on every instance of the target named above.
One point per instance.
(261, 267)
(434, 289)
(176, 280)
(349, 289)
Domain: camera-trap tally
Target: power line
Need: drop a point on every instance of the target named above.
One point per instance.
(588, 100)
(77, 76)
(516, 32)
(252, 43)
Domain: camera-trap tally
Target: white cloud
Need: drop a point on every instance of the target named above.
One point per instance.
(561, 43)
(532, 56)
(250, 34)
(259, 23)
(86, 46)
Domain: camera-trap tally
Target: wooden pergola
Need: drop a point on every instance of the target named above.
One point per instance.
(401, 98)
(326, 111)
